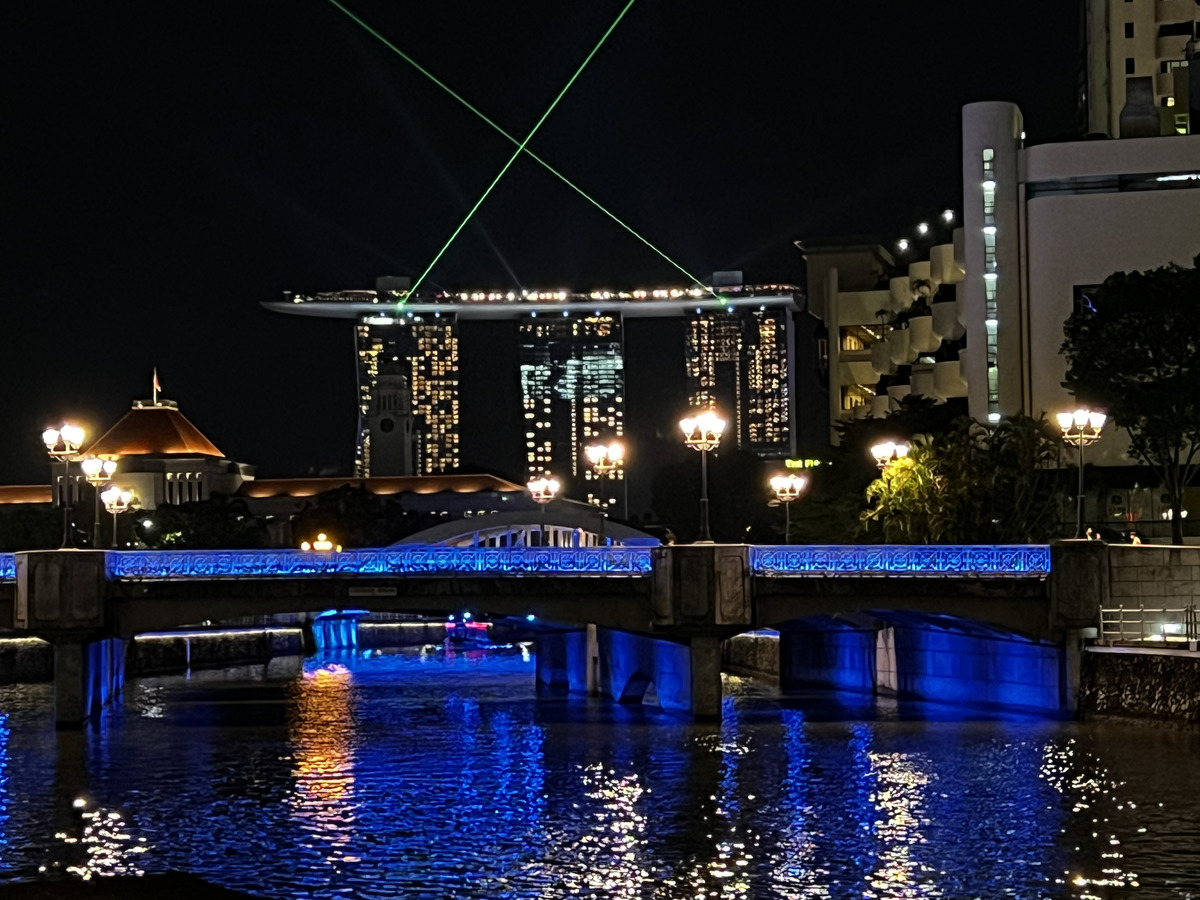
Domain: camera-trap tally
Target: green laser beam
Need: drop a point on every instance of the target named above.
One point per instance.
(521, 147)
(502, 132)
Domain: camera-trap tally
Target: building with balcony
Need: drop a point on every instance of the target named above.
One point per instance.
(1136, 80)
(976, 316)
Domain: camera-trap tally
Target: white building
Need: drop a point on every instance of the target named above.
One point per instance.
(1144, 40)
(1040, 227)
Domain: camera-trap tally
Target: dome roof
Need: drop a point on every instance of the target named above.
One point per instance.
(155, 430)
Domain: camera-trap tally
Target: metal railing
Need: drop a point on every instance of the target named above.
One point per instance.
(1141, 623)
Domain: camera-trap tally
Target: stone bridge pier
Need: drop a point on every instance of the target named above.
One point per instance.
(700, 595)
(61, 598)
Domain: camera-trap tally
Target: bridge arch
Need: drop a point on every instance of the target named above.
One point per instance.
(526, 528)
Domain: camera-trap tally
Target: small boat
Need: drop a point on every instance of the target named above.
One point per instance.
(466, 635)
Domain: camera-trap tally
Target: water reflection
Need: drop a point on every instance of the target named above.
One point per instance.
(322, 731)
(448, 778)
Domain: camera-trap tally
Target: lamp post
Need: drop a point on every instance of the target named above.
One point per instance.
(116, 501)
(62, 444)
(888, 452)
(97, 471)
(1080, 428)
(605, 460)
(703, 433)
(787, 488)
(543, 490)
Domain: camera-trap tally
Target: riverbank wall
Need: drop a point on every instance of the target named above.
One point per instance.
(30, 660)
(1143, 684)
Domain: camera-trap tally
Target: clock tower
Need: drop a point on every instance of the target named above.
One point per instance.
(390, 423)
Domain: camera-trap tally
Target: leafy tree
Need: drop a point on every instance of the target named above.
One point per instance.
(1135, 351)
(970, 484)
(355, 517)
(219, 523)
(30, 527)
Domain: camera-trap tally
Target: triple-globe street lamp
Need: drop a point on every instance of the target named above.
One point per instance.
(543, 489)
(1080, 428)
(62, 444)
(787, 488)
(116, 501)
(887, 452)
(703, 433)
(605, 460)
(97, 471)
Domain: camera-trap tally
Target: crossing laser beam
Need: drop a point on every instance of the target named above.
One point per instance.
(521, 148)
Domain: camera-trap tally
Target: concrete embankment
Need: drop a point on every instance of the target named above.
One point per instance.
(1140, 683)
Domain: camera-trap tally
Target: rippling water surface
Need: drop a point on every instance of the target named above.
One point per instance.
(435, 776)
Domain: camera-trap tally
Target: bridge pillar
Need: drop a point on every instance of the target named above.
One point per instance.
(62, 597)
(562, 661)
(88, 675)
(682, 676)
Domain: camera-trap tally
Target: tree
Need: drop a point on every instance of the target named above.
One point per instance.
(218, 523)
(970, 484)
(1134, 350)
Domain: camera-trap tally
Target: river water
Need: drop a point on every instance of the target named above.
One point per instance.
(433, 775)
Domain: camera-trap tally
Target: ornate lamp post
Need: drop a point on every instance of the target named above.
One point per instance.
(97, 472)
(1080, 428)
(888, 452)
(703, 433)
(543, 490)
(116, 501)
(787, 488)
(606, 459)
(62, 444)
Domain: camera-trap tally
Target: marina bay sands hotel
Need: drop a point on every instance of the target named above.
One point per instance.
(739, 354)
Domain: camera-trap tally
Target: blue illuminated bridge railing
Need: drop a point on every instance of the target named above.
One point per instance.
(922, 560)
(1013, 561)
(413, 559)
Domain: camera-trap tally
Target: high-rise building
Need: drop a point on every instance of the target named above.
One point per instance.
(572, 395)
(739, 356)
(1136, 74)
(426, 348)
(741, 361)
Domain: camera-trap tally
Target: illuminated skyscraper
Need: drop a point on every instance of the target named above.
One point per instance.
(739, 355)
(426, 347)
(741, 361)
(572, 394)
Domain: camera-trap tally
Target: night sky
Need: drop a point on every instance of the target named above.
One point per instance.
(170, 165)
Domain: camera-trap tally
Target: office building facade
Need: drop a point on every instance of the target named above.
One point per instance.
(573, 395)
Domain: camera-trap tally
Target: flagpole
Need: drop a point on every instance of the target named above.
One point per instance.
(154, 388)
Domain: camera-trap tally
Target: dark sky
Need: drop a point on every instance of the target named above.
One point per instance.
(170, 165)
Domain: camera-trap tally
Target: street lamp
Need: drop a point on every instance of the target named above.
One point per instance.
(606, 459)
(62, 444)
(703, 433)
(97, 471)
(888, 452)
(787, 488)
(543, 490)
(116, 501)
(1080, 428)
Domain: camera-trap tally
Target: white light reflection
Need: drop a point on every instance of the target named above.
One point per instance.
(323, 733)
(898, 795)
(1082, 781)
(109, 847)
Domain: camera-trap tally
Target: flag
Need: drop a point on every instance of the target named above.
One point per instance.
(157, 386)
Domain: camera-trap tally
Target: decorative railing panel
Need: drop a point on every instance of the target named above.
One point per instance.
(393, 561)
(921, 560)
(8, 567)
